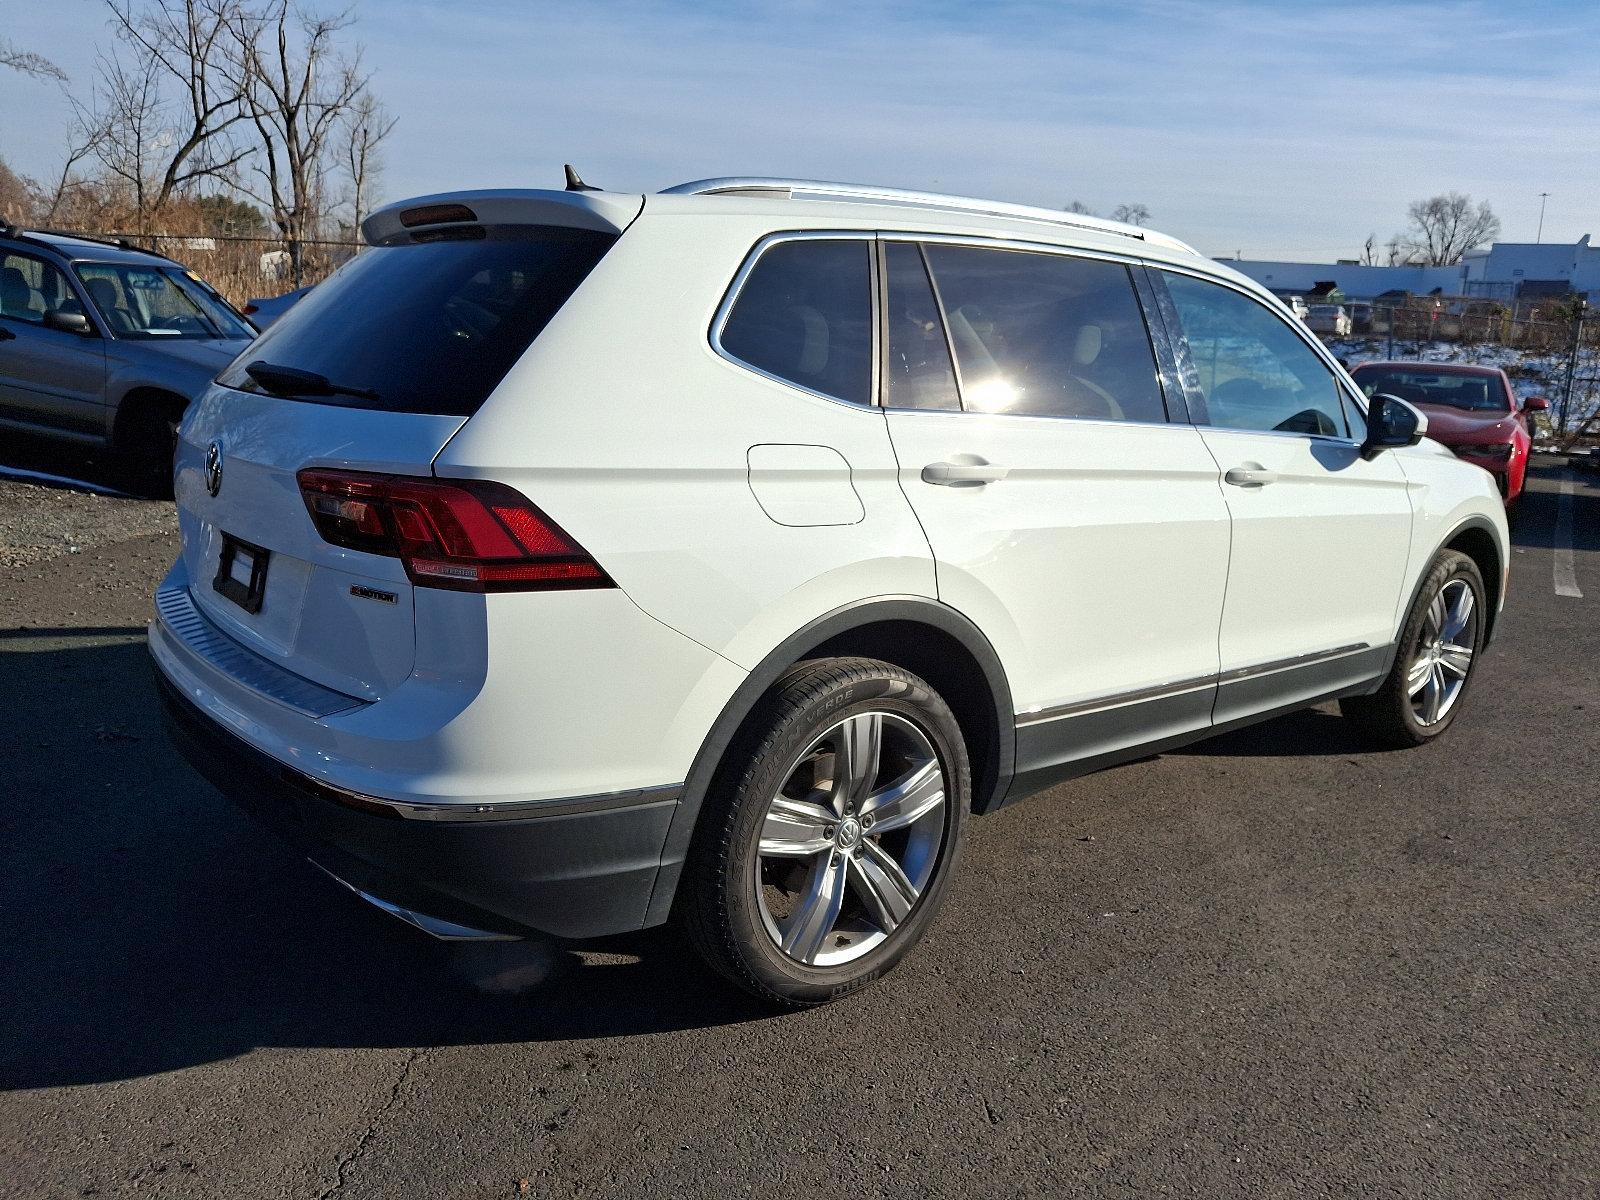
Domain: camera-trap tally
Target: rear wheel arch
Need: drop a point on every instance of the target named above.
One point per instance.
(922, 636)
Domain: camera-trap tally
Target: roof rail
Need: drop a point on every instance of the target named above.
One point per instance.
(815, 189)
(120, 243)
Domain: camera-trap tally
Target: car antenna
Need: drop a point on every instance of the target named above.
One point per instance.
(575, 182)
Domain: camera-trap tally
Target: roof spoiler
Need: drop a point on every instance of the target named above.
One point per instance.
(428, 218)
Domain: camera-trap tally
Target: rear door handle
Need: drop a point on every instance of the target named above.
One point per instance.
(972, 473)
(1251, 475)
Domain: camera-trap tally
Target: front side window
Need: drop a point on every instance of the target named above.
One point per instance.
(151, 303)
(918, 373)
(804, 315)
(1254, 371)
(1046, 335)
(31, 287)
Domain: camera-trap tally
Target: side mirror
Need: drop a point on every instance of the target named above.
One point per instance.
(68, 322)
(1391, 423)
(1535, 404)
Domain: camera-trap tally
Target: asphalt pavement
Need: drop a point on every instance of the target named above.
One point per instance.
(1274, 964)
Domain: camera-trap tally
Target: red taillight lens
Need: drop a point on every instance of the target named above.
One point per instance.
(469, 535)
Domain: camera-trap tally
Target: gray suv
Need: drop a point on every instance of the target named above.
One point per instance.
(105, 344)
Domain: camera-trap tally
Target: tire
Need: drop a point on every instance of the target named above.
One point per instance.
(793, 897)
(150, 445)
(1398, 713)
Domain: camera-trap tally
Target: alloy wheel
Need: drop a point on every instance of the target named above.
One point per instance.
(1444, 652)
(851, 840)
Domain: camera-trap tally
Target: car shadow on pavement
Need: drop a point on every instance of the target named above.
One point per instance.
(1533, 517)
(149, 926)
(67, 461)
(1310, 732)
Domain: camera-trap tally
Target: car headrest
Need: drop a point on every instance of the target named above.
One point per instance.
(1087, 345)
(15, 294)
(104, 293)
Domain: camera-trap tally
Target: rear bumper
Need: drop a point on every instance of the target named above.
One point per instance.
(585, 870)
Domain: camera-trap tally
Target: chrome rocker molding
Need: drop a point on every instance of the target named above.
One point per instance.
(1184, 686)
(1077, 739)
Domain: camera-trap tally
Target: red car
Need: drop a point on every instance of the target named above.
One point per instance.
(1472, 410)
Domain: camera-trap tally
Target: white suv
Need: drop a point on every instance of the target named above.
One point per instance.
(570, 561)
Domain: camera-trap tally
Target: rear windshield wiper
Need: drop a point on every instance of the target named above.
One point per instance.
(292, 381)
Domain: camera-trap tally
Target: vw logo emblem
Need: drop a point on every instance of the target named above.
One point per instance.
(214, 468)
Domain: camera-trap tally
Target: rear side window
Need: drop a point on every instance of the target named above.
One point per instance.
(431, 327)
(918, 373)
(1255, 371)
(804, 315)
(30, 287)
(1046, 335)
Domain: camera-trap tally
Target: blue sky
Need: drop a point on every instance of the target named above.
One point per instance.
(1285, 130)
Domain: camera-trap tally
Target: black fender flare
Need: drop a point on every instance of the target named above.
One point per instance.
(795, 648)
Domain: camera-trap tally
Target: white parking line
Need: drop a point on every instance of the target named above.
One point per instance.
(1566, 577)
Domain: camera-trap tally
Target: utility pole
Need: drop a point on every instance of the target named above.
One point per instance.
(1572, 362)
(1539, 237)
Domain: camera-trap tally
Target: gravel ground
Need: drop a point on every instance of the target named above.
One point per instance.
(41, 521)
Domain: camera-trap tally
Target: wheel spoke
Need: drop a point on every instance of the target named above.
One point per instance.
(912, 796)
(1436, 617)
(859, 742)
(882, 886)
(1460, 613)
(795, 829)
(818, 910)
(1417, 678)
(1456, 659)
(1433, 698)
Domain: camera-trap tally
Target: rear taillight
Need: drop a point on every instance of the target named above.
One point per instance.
(469, 535)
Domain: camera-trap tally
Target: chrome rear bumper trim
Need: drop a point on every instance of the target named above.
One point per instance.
(181, 622)
(446, 931)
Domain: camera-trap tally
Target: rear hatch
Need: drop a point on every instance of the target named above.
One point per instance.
(373, 371)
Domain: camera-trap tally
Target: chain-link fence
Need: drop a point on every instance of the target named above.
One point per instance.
(243, 268)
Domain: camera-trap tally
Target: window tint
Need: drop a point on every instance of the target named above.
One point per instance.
(804, 314)
(919, 374)
(1255, 371)
(1046, 335)
(430, 327)
(30, 287)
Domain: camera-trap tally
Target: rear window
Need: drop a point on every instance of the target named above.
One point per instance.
(430, 327)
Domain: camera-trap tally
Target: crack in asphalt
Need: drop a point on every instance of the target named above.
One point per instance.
(348, 1161)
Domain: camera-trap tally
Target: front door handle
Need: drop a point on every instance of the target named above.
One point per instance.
(1251, 475)
(6, 335)
(973, 472)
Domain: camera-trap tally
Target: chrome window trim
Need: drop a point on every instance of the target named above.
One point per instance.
(730, 298)
(1341, 377)
(1080, 708)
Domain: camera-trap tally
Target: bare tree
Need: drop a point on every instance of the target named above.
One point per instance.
(184, 43)
(1445, 227)
(365, 126)
(1082, 209)
(123, 129)
(29, 63)
(1369, 251)
(297, 90)
(1130, 214)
